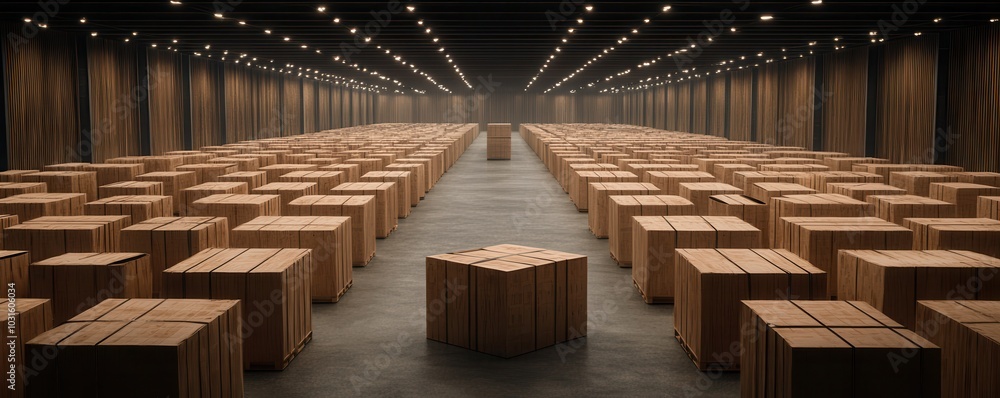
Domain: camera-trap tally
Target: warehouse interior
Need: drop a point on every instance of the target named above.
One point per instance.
(720, 198)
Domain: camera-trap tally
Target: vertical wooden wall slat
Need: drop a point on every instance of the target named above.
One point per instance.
(845, 77)
(905, 127)
(166, 102)
(114, 106)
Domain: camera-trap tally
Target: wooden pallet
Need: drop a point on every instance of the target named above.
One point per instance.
(278, 366)
(652, 300)
(705, 366)
(340, 295)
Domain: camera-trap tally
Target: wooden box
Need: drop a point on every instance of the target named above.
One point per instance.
(142, 347)
(385, 203)
(745, 179)
(239, 209)
(192, 157)
(968, 333)
(655, 240)
(8, 189)
(847, 164)
(273, 286)
(621, 209)
(820, 180)
(152, 164)
(84, 182)
(111, 173)
(361, 210)
(765, 191)
(170, 240)
(288, 191)
(989, 207)
(964, 195)
(406, 195)
(324, 180)
(750, 210)
(418, 180)
(918, 183)
(498, 130)
(819, 239)
(263, 159)
(253, 179)
(819, 205)
(131, 188)
(200, 191)
(329, 238)
(724, 172)
(893, 281)
(14, 270)
(579, 185)
(28, 319)
(669, 182)
(173, 183)
(352, 172)
(700, 193)
(982, 178)
(47, 237)
(897, 208)
(367, 165)
(570, 173)
(138, 208)
(506, 300)
(980, 235)
(15, 175)
(77, 281)
(430, 177)
(209, 172)
(599, 208)
(832, 349)
(861, 191)
(6, 221)
(242, 164)
(31, 206)
(275, 171)
(884, 169)
(498, 148)
(710, 286)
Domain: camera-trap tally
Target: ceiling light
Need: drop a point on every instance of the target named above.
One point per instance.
(93, 34)
(411, 8)
(766, 17)
(218, 15)
(936, 20)
(288, 38)
(646, 20)
(174, 2)
(242, 22)
(817, 1)
(354, 30)
(420, 22)
(917, 33)
(666, 8)
(336, 20)
(83, 20)
(321, 9)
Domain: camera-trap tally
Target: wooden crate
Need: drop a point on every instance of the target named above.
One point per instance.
(361, 210)
(884, 169)
(15, 175)
(28, 318)
(820, 180)
(84, 182)
(498, 130)
(239, 209)
(750, 210)
(47, 237)
(152, 164)
(325, 180)
(170, 240)
(765, 191)
(819, 205)
(724, 172)
(8, 189)
(819, 239)
(138, 208)
(621, 209)
(861, 191)
(669, 182)
(982, 178)
(964, 195)
(968, 333)
(288, 191)
(275, 171)
(276, 279)
(31, 206)
(832, 349)
(897, 208)
(77, 281)
(6, 221)
(386, 208)
(296, 158)
(253, 179)
(367, 165)
(174, 182)
(429, 178)
(655, 240)
(418, 183)
(242, 164)
(498, 148)
(200, 191)
(989, 207)
(745, 179)
(918, 183)
(192, 157)
(112, 173)
(981, 235)
(329, 238)
(710, 285)
(263, 159)
(487, 316)
(569, 172)
(406, 195)
(14, 270)
(598, 215)
(352, 172)
(209, 172)
(893, 281)
(131, 188)
(847, 164)
(579, 186)
(700, 193)
(172, 348)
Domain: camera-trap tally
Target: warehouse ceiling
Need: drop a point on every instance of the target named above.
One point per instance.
(455, 46)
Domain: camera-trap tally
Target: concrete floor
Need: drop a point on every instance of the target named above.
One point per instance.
(373, 343)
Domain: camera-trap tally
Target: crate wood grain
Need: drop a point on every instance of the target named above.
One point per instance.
(8, 189)
(918, 183)
(138, 208)
(386, 208)
(417, 179)
(989, 207)
(111, 173)
(818, 205)
(84, 182)
(406, 196)
(47, 237)
(174, 182)
(239, 209)
(981, 235)
(669, 181)
(765, 191)
(750, 210)
(253, 179)
(973, 177)
(152, 164)
(28, 318)
(361, 210)
(275, 171)
(621, 209)
(77, 281)
(31, 206)
(700, 193)
(968, 333)
(579, 187)
(200, 191)
(170, 240)
(15, 175)
(745, 179)
(897, 208)
(14, 269)
(847, 164)
(964, 195)
(861, 191)
(598, 212)
(820, 180)
(131, 188)
(324, 180)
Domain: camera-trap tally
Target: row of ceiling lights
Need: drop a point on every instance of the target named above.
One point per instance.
(428, 30)
(552, 57)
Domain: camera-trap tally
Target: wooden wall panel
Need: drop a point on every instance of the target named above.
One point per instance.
(114, 99)
(309, 106)
(206, 112)
(684, 106)
(287, 106)
(845, 82)
(717, 106)
(699, 106)
(166, 101)
(768, 103)
(973, 100)
(671, 105)
(660, 109)
(798, 103)
(741, 105)
(42, 102)
(906, 100)
(240, 110)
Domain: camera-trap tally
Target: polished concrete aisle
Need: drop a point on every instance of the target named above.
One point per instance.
(373, 343)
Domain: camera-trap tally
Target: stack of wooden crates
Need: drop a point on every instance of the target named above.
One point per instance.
(498, 141)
